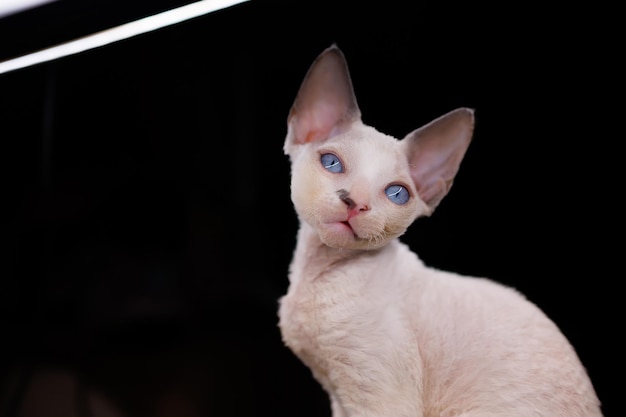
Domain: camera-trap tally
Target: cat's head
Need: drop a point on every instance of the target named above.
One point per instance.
(357, 187)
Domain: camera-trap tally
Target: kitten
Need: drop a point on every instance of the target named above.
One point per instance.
(384, 334)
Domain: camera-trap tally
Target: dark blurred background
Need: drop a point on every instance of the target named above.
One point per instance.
(147, 225)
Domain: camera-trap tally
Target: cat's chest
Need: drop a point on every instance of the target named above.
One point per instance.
(342, 310)
(321, 310)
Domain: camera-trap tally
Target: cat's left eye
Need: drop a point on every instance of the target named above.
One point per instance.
(331, 162)
(397, 194)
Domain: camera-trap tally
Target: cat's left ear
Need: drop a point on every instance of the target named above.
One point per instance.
(435, 152)
(325, 104)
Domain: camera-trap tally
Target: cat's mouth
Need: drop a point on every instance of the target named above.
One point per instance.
(349, 226)
(341, 228)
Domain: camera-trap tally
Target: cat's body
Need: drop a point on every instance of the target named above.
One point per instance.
(383, 333)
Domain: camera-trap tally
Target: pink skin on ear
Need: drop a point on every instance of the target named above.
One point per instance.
(325, 102)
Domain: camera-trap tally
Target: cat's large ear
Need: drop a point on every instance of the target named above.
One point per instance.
(325, 104)
(435, 152)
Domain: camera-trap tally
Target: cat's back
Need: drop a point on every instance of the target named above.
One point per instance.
(484, 343)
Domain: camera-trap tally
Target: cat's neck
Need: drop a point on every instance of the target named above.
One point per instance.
(311, 247)
(313, 258)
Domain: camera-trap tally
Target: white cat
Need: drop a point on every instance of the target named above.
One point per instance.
(386, 335)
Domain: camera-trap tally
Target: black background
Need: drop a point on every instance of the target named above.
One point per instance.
(148, 227)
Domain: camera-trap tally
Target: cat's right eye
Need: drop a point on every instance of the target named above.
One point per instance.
(331, 162)
(397, 194)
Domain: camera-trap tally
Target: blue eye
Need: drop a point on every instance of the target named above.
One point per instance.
(397, 194)
(331, 162)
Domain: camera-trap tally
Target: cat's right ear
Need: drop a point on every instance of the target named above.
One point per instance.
(325, 104)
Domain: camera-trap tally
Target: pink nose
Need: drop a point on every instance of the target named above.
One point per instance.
(353, 207)
(356, 209)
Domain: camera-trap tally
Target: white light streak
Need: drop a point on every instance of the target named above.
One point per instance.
(117, 33)
(9, 7)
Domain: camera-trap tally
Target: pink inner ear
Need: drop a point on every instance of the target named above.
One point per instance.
(325, 102)
(320, 122)
(312, 136)
(435, 152)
